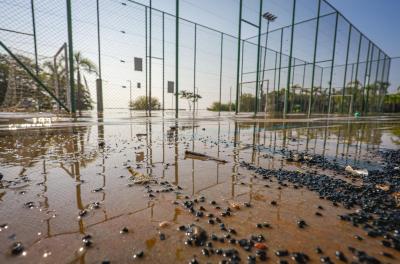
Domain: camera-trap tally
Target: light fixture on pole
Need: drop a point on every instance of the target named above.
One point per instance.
(270, 18)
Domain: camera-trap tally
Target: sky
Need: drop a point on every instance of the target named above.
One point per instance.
(379, 19)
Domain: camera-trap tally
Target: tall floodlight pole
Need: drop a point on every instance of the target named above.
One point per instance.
(238, 57)
(285, 103)
(310, 101)
(177, 58)
(270, 18)
(258, 59)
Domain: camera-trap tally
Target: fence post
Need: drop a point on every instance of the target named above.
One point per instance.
(280, 68)
(310, 101)
(150, 55)
(194, 68)
(356, 82)
(333, 63)
(285, 108)
(241, 76)
(220, 73)
(71, 57)
(238, 57)
(163, 62)
(345, 67)
(34, 37)
(99, 82)
(35, 48)
(366, 76)
(276, 62)
(177, 59)
(376, 76)
(146, 60)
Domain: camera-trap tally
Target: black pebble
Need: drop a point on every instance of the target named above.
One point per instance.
(124, 230)
(205, 252)
(340, 256)
(301, 223)
(282, 253)
(17, 248)
(318, 250)
(139, 254)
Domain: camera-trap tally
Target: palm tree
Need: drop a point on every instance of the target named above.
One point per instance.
(82, 65)
(56, 72)
(190, 97)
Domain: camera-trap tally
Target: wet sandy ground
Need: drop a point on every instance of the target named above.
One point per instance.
(53, 173)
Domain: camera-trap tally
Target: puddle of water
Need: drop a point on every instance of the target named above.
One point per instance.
(53, 174)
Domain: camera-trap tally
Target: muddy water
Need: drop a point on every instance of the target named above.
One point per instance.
(52, 173)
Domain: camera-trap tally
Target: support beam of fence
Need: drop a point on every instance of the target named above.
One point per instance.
(332, 64)
(377, 82)
(163, 63)
(220, 73)
(310, 101)
(177, 59)
(280, 68)
(71, 58)
(99, 81)
(367, 86)
(239, 38)
(194, 68)
(356, 82)
(285, 107)
(150, 55)
(366, 76)
(241, 75)
(345, 67)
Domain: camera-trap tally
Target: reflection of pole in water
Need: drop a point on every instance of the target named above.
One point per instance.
(316, 139)
(150, 136)
(284, 135)
(307, 136)
(349, 132)
(163, 146)
(193, 151)
(218, 140)
(176, 154)
(325, 138)
(253, 153)
(337, 142)
(235, 167)
(101, 144)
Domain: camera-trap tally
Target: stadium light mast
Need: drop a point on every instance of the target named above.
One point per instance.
(270, 18)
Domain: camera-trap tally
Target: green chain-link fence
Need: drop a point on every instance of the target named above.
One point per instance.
(304, 58)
